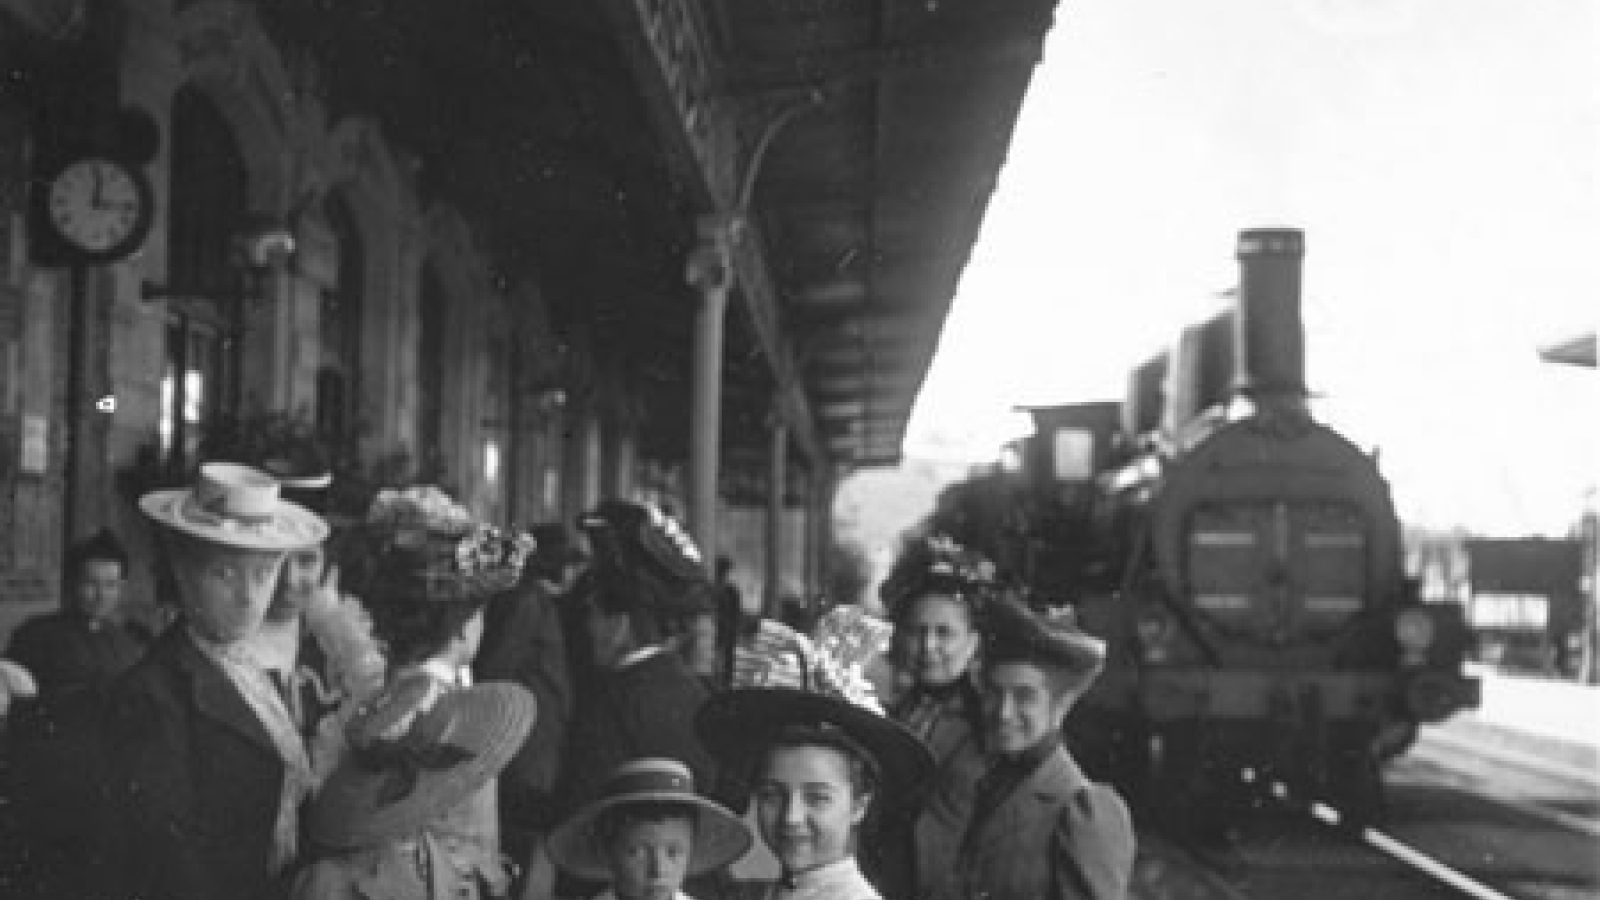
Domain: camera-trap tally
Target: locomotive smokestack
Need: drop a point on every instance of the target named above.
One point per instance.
(1269, 339)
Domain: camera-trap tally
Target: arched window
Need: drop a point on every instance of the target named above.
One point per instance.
(338, 376)
(199, 381)
(430, 374)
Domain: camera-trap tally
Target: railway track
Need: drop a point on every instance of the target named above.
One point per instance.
(1306, 850)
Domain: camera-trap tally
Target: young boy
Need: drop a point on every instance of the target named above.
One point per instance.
(1039, 829)
(647, 832)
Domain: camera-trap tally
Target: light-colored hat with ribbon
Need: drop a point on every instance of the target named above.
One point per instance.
(579, 845)
(236, 506)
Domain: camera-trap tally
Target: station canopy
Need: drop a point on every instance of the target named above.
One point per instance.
(867, 136)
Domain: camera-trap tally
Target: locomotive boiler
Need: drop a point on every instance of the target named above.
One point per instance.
(1244, 563)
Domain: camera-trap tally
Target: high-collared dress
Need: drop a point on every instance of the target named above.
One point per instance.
(1041, 830)
(921, 860)
(841, 880)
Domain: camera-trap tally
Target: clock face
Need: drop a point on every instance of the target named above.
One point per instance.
(100, 207)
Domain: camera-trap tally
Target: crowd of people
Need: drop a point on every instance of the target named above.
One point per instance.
(417, 704)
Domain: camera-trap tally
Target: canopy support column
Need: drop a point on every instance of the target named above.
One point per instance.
(709, 273)
(777, 477)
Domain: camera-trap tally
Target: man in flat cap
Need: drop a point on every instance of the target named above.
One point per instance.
(1039, 829)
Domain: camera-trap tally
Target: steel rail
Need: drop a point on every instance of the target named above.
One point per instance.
(1392, 848)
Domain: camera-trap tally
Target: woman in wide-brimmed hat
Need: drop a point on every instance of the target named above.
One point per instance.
(823, 761)
(418, 751)
(1039, 828)
(429, 571)
(208, 770)
(647, 832)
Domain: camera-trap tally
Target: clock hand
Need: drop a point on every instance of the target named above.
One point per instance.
(95, 199)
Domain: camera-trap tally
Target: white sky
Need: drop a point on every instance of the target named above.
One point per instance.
(1443, 158)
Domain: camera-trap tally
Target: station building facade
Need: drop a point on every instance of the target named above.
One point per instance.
(387, 329)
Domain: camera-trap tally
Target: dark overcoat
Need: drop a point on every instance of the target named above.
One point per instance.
(1057, 836)
(523, 643)
(646, 709)
(62, 652)
(195, 782)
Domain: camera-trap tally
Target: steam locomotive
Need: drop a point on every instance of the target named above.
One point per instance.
(1242, 560)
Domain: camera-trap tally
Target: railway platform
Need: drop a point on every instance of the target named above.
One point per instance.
(1534, 720)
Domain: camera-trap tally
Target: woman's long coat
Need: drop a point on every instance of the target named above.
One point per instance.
(195, 782)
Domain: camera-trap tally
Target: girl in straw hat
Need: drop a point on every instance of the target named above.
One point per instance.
(417, 752)
(647, 832)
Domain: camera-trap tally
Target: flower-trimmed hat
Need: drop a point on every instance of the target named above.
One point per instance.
(236, 506)
(628, 532)
(936, 564)
(1050, 640)
(719, 837)
(791, 689)
(647, 559)
(426, 547)
(741, 725)
(417, 750)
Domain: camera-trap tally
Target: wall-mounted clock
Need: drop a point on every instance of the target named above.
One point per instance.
(99, 208)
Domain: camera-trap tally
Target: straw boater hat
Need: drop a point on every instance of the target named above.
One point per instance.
(237, 506)
(416, 751)
(719, 837)
(1050, 640)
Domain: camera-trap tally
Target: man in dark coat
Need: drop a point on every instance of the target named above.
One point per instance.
(55, 741)
(84, 644)
(210, 770)
(1038, 830)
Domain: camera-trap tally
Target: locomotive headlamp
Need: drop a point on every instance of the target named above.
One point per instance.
(1413, 628)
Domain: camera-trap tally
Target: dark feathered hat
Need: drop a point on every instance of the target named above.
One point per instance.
(1051, 640)
(936, 564)
(643, 559)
